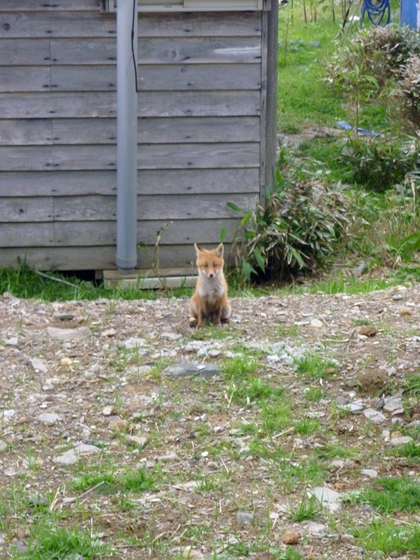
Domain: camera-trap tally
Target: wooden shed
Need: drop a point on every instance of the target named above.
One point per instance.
(207, 79)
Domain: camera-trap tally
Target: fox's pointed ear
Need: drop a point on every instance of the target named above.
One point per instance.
(219, 250)
(198, 249)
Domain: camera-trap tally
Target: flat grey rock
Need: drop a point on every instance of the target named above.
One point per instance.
(318, 530)
(374, 416)
(328, 498)
(49, 418)
(69, 334)
(192, 370)
(38, 365)
(73, 455)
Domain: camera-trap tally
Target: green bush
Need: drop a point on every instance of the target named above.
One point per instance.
(378, 163)
(296, 229)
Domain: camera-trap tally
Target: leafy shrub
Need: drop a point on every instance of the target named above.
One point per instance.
(381, 52)
(409, 90)
(378, 163)
(296, 229)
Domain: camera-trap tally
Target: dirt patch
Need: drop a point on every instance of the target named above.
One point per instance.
(229, 456)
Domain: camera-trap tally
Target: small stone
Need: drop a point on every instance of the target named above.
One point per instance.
(192, 554)
(328, 498)
(403, 440)
(244, 517)
(66, 362)
(136, 441)
(374, 415)
(108, 333)
(38, 365)
(13, 341)
(192, 370)
(318, 530)
(119, 425)
(63, 316)
(49, 418)
(394, 403)
(316, 324)
(171, 336)
(3, 446)
(169, 458)
(132, 343)
(405, 312)
(290, 537)
(65, 335)
(367, 330)
(73, 455)
(371, 473)
(7, 414)
(354, 407)
(108, 411)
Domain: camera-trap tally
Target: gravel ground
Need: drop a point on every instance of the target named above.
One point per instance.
(86, 390)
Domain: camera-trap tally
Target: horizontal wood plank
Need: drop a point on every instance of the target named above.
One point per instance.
(207, 24)
(199, 77)
(34, 24)
(16, 132)
(169, 207)
(154, 156)
(104, 104)
(22, 79)
(158, 130)
(24, 52)
(96, 258)
(78, 183)
(48, 5)
(99, 233)
(21, 132)
(39, 209)
(199, 50)
(194, 77)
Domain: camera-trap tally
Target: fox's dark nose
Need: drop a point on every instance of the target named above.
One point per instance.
(211, 275)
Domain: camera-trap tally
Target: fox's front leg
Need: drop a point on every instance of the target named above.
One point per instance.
(217, 317)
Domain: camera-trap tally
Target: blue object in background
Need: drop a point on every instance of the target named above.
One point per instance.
(378, 12)
(409, 13)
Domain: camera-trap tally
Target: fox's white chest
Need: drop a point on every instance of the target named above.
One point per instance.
(211, 290)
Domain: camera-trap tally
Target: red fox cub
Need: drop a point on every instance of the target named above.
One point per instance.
(210, 304)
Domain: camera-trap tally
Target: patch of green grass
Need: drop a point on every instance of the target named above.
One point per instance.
(314, 366)
(109, 483)
(292, 331)
(24, 282)
(412, 384)
(240, 367)
(275, 417)
(50, 542)
(303, 96)
(253, 389)
(387, 537)
(293, 474)
(308, 508)
(332, 451)
(307, 427)
(313, 394)
(393, 494)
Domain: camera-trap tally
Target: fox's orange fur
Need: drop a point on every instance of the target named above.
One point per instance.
(210, 304)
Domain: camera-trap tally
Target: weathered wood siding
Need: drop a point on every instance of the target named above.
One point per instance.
(199, 131)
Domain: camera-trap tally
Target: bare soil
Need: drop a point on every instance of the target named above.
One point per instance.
(111, 384)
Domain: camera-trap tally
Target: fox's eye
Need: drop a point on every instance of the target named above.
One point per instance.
(214, 265)
(206, 266)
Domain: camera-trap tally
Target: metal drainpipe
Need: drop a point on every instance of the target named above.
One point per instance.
(126, 258)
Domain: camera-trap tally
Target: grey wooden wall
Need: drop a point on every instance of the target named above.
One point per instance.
(199, 131)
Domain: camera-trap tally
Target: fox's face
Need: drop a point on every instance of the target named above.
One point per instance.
(209, 263)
